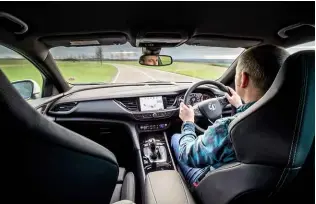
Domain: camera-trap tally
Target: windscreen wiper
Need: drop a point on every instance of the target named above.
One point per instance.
(90, 83)
(159, 82)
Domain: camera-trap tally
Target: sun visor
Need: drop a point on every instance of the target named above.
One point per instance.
(85, 40)
(220, 41)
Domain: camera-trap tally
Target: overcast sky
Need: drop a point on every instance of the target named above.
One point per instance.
(182, 52)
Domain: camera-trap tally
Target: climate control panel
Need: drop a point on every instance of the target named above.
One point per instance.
(154, 115)
(152, 127)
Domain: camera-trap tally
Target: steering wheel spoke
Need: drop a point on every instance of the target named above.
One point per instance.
(223, 101)
(197, 112)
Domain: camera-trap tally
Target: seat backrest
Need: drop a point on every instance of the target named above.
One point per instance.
(271, 139)
(44, 162)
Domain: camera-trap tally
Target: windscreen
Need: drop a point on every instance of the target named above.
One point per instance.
(120, 64)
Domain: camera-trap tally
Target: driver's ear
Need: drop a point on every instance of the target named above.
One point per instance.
(244, 80)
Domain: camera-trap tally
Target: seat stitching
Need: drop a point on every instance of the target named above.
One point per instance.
(223, 169)
(290, 155)
(301, 116)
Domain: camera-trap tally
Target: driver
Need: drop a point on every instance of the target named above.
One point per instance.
(197, 155)
(151, 60)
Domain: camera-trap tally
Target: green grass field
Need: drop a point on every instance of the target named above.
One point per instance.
(73, 72)
(92, 71)
(197, 70)
(19, 70)
(85, 71)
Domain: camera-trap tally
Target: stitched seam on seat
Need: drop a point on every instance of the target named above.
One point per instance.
(278, 185)
(289, 160)
(223, 169)
(281, 180)
(152, 189)
(301, 116)
(220, 170)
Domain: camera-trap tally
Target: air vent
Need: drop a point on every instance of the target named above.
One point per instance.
(64, 107)
(129, 103)
(170, 101)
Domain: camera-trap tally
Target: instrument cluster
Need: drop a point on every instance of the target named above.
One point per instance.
(195, 98)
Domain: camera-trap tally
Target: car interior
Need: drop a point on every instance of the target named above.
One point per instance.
(110, 142)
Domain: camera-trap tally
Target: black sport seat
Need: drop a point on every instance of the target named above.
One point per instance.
(272, 139)
(43, 162)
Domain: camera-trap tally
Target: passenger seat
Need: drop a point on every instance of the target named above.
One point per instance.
(47, 163)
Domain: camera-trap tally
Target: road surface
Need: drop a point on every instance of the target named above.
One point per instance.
(134, 74)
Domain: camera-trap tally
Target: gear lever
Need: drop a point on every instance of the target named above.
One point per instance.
(152, 145)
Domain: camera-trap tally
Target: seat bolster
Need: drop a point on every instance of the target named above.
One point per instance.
(128, 188)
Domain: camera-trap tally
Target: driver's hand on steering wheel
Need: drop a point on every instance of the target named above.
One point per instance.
(234, 99)
(186, 113)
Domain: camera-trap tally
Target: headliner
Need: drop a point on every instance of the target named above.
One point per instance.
(253, 20)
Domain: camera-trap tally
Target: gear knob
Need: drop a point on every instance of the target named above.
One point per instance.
(153, 156)
(152, 144)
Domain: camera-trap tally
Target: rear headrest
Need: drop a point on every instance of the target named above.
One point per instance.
(279, 129)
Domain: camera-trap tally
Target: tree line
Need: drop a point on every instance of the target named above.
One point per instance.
(98, 56)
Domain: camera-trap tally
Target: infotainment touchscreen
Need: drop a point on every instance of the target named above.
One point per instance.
(151, 103)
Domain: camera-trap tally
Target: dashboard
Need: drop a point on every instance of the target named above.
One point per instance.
(154, 105)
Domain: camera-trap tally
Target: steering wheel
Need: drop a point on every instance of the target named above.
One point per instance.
(211, 108)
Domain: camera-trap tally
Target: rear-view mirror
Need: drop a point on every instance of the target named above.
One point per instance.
(28, 89)
(155, 60)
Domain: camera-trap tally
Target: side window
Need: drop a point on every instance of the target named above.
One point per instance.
(23, 75)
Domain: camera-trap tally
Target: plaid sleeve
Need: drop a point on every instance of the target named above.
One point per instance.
(212, 148)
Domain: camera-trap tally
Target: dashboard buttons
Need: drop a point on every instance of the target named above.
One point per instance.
(155, 115)
(162, 126)
(152, 127)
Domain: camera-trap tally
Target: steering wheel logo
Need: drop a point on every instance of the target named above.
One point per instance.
(212, 107)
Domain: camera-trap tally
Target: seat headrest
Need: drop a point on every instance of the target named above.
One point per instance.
(279, 129)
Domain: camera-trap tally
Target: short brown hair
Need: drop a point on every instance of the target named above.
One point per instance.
(262, 64)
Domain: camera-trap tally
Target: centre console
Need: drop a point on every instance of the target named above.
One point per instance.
(163, 184)
(155, 152)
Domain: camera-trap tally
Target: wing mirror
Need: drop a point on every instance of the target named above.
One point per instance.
(155, 60)
(28, 89)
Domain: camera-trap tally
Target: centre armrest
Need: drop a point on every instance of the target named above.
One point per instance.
(164, 187)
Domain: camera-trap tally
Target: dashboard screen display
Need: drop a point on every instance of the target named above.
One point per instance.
(151, 103)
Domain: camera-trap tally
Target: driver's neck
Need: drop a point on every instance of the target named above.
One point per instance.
(252, 95)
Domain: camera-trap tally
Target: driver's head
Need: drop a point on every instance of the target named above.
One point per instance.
(256, 70)
(150, 60)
